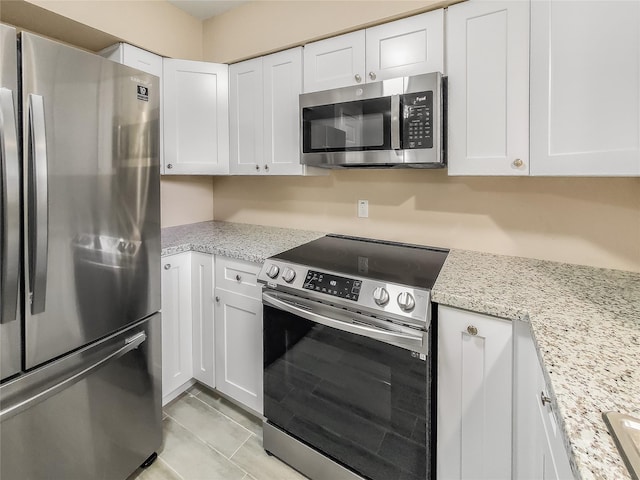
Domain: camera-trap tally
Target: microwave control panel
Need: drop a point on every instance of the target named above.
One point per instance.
(417, 122)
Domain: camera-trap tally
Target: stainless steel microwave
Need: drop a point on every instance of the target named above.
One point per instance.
(390, 124)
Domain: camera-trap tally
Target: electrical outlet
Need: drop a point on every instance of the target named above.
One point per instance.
(363, 208)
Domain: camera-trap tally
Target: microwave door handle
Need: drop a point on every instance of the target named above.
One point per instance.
(410, 342)
(10, 202)
(396, 118)
(38, 204)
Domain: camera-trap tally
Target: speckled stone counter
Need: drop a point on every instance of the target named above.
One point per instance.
(586, 323)
(253, 243)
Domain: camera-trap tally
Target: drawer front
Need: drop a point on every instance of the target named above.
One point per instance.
(238, 276)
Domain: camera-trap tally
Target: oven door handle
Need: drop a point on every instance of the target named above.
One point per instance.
(410, 342)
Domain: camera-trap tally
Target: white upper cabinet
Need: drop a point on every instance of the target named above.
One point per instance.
(585, 88)
(134, 57)
(265, 115)
(335, 62)
(410, 46)
(282, 87)
(488, 85)
(196, 122)
(246, 151)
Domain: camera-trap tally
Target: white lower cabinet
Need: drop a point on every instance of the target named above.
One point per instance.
(474, 399)
(177, 364)
(238, 332)
(202, 318)
(539, 451)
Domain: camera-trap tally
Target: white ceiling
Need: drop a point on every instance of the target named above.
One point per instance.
(203, 9)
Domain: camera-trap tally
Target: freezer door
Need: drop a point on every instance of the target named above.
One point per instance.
(96, 414)
(92, 229)
(10, 325)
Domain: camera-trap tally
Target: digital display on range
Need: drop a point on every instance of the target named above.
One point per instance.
(332, 285)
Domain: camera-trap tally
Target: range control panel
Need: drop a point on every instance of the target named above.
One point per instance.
(342, 287)
(394, 301)
(417, 123)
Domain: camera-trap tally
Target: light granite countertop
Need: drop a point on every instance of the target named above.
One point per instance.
(253, 243)
(585, 322)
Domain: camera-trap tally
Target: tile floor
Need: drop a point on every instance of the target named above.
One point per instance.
(206, 437)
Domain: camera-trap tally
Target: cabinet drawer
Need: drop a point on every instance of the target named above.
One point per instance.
(238, 276)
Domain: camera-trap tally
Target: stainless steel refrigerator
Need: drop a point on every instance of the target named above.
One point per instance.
(80, 356)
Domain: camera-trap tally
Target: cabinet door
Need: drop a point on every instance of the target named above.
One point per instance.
(176, 322)
(585, 88)
(282, 86)
(410, 46)
(474, 396)
(202, 315)
(488, 84)
(238, 334)
(246, 150)
(196, 123)
(334, 62)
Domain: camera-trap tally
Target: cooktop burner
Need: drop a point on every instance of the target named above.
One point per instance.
(410, 265)
(373, 276)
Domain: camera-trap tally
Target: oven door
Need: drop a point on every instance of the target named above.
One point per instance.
(342, 385)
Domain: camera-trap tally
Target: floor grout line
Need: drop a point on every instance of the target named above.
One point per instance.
(171, 468)
(207, 444)
(225, 416)
(237, 449)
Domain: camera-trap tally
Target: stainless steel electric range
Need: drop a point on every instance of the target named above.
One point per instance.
(348, 358)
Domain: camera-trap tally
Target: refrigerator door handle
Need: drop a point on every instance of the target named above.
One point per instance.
(38, 205)
(131, 343)
(10, 228)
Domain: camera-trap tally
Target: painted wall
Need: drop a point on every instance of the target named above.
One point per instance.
(576, 220)
(263, 26)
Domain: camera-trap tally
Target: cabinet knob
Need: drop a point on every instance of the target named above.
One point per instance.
(167, 266)
(471, 330)
(217, 299)
(517, 163)
(372, 75)
(170, 166)
(358, 78)
(544, 399)
(257, 167)
(266, 167)
(238, 278)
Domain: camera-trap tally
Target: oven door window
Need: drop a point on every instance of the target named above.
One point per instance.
(345, 127)
(359, 401)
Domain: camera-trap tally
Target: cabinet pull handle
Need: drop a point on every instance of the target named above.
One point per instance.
(170, 166)
(471, 330)
(257, 167)
(544, 399)
(266, 167)
(217, 299)
(238, 278)
(358, 78)
(167, 266)
(518, 163)
(372, 75)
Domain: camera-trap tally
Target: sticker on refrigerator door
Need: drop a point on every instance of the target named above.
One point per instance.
(143, 93)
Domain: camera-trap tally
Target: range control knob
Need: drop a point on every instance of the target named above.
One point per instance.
(288, 275)
(381, 296)
(273, 271)
(406, 301)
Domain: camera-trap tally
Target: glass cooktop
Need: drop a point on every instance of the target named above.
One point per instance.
(399, 263)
